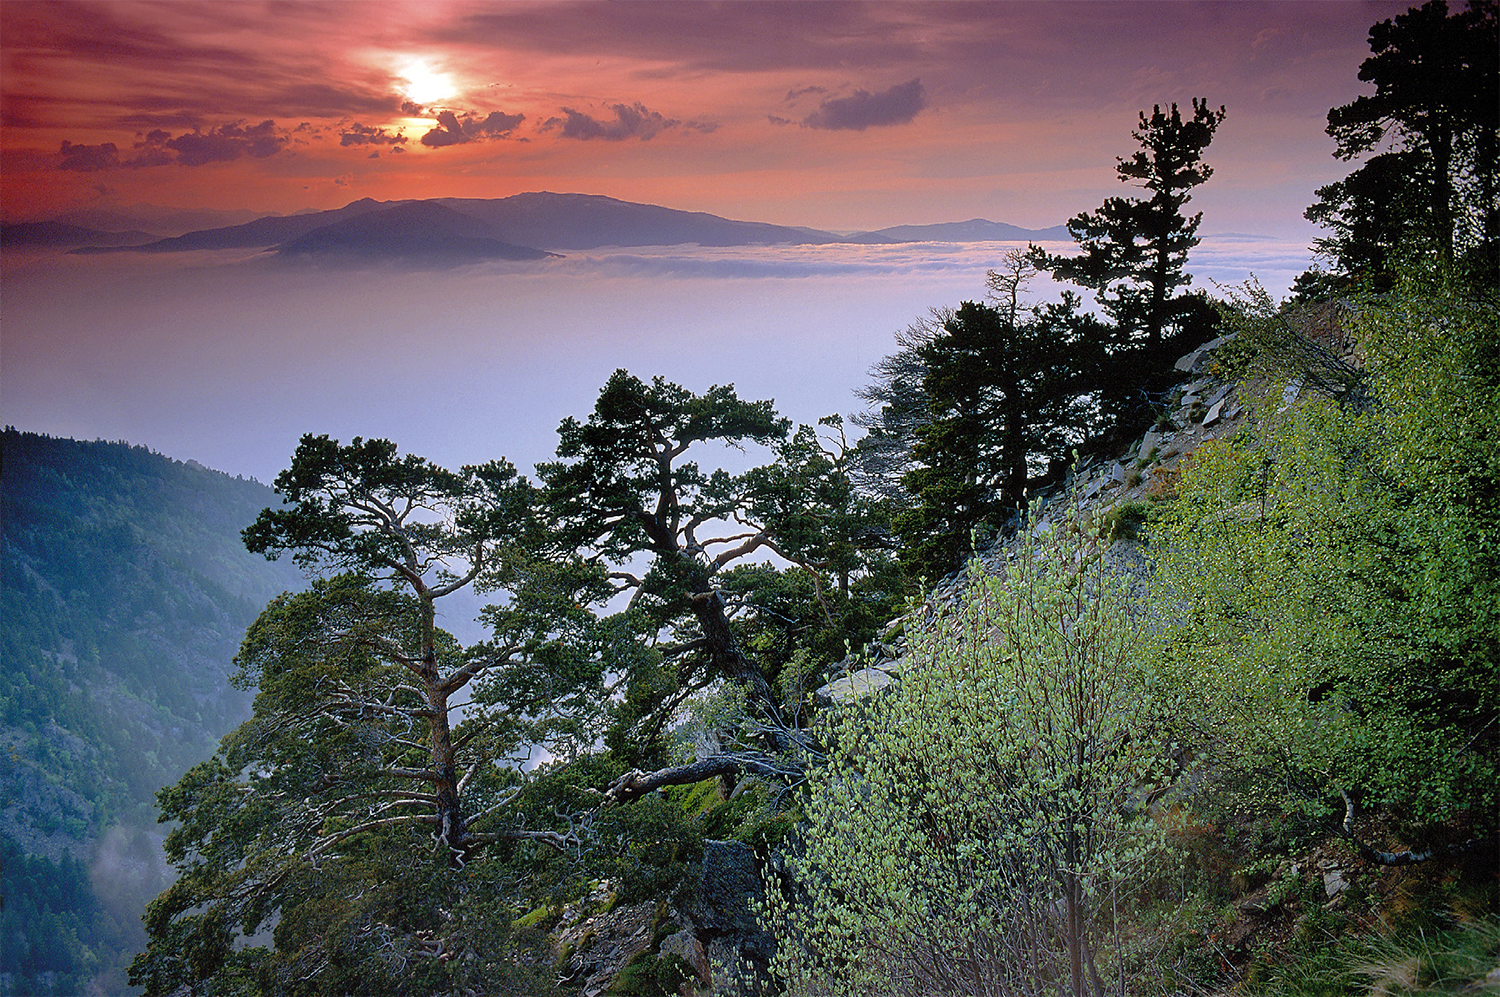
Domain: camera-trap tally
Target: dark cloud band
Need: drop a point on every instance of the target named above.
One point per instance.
(223, 144)
(88, 158)
(630, 121)
(358, 134)
(452, 129)
(863, 109)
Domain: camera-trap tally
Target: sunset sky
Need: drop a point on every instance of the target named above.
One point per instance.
(836, 115)
(833, 115)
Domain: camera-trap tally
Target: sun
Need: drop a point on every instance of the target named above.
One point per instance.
(425, 84)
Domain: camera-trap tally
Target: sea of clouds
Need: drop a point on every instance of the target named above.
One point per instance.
(229, 357)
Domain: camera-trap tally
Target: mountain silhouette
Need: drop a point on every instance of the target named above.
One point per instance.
(480, 228)
(412, 230)
(54, 234)
(588, 221)
(973, 230)
(262, 233)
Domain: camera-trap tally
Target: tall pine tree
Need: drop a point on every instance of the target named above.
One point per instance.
(1002, 387)
(1435, 188)
(1133, 257)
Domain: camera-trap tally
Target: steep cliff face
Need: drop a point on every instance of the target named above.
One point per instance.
(125, 592)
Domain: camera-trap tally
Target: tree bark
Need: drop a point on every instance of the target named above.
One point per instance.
(453, 830)
(726, 657)
(635, 783)
(1408, 857)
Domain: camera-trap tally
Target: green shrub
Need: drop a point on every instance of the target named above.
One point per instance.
(1339, 570)
(1124, 521)
(651, 975)
(971, 829)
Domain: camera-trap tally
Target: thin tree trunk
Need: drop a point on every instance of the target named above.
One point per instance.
(727, 658)
(1442, 190)
(453, 828)
(1074, 938)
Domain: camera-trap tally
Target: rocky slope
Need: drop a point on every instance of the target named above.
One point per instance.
(1116, 493)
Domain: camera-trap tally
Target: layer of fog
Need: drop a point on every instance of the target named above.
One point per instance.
(227, 358)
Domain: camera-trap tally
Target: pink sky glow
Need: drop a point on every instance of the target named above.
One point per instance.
(836, 115)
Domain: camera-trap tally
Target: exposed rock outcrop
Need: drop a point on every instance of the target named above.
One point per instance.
(713, 944)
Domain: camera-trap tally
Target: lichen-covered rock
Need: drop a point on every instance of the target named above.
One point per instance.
(728, 884)
(686, 946)
(597, 948)
(856, 685)
(1195, 360)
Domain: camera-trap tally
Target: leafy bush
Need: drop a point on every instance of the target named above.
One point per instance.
(1124, 521)
(970, 831)
(1339, 567)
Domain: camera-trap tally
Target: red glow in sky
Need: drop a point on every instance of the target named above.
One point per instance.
(837, 115)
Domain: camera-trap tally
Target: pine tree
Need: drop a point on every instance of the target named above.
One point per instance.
(1134, 255)
(1134, 250)
(1436, 78)
(1001, 383)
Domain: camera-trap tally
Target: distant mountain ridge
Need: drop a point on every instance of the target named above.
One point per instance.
(63, 234)
(413, 230)
(974, 230)
(262, 233)
(531, 226)
(591, 221)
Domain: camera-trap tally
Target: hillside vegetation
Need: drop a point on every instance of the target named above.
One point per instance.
(126, 593)
(1227, 723)
(1141, 649)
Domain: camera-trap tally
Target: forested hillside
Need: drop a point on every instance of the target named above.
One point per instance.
(1146, 647)
(126, 592)
(1217, 711)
